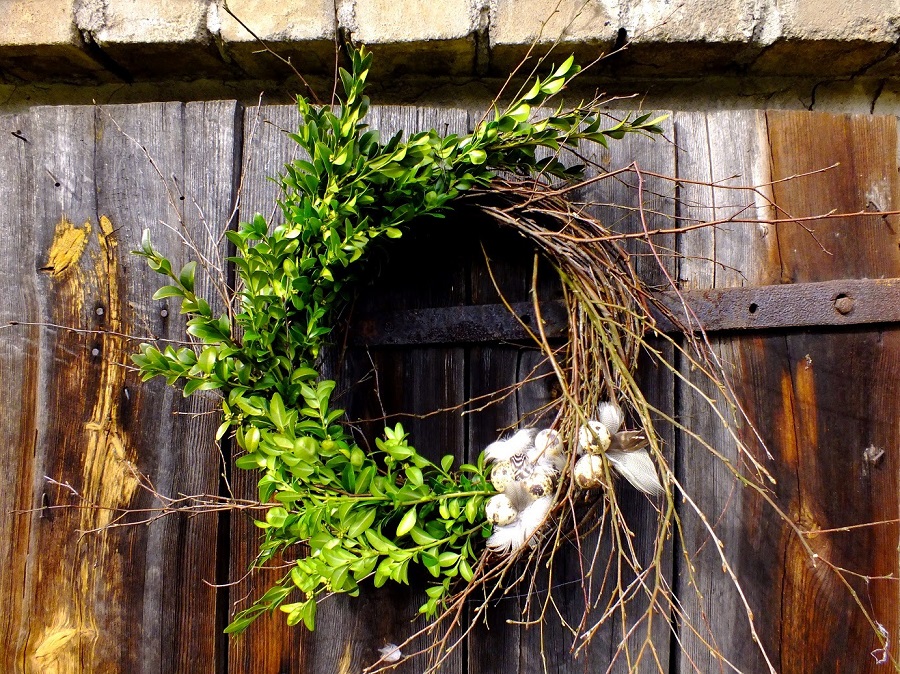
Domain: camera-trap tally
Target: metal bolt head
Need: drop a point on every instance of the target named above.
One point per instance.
(843, 304)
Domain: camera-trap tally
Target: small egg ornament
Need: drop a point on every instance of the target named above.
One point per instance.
(589, 471)
(500, 510)
(538, 485)
(502, 474)
(593, 438)
(548, 451)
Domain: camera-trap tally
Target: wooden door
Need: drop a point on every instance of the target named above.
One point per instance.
(78, 187)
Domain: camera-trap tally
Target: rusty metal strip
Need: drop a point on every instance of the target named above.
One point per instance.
(460, 325)
(789, 306)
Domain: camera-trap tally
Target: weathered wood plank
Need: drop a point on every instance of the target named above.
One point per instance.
(421, 387)
(128, 599)
(269, 645)
(504, 391)
(19, 378)
(722, 149)
(410, 382)
(212, 142)
(796, 387)
(632, 203)
(842, 390)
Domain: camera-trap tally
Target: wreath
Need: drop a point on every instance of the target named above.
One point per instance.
(372, 515)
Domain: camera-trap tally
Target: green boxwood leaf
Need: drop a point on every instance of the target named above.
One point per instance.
(407, 522)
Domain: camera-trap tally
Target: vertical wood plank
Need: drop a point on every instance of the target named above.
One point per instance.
(19, 379)
(796, 386)
(841, 388)
(531, 650)
(720, 151)
(505, 389)
(126, 599)
(417, 381)
(269, 645)
(636, 202)
(421, 387)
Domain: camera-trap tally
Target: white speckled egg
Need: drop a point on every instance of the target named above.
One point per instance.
(499, 510)
(502, 474)
(548, 442)
(589, 471)
(539, 484)
(593, 438)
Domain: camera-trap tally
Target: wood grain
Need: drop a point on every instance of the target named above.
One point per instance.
(19, 381)
(422, 387)
(728, 150)
(269, 645)
(638, 201)
(120, 599)
(818, 400)
(842, 390)
(509, 386)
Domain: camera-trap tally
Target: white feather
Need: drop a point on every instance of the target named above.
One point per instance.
(503, 450)
(611, 416)
(637, 467)
(390, 653)
(510, 538)
(534, 515)
(507, 539)
(518, 496)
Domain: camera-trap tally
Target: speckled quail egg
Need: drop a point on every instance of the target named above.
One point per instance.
(502, 474)
(589, 471)
(499, 510)
(548, 451)
(593, 438)
(539, 484)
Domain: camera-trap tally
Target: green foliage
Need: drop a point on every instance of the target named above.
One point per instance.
(362, 515)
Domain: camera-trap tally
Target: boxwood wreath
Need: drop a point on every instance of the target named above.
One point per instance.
(368, 517)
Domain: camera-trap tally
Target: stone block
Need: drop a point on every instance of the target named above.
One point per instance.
(299, 30)
(39, 40)
(687, 38)
(416, 36)
(587, 29)
(152, 39)
(827, 37)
